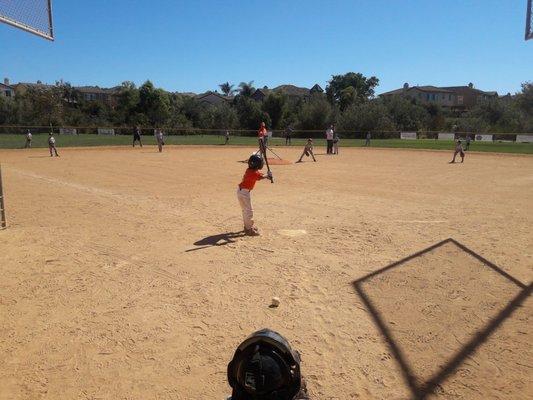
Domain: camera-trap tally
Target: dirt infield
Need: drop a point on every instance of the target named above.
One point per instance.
(125, 275)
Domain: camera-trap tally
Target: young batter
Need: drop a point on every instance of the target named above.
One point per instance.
(251, 176)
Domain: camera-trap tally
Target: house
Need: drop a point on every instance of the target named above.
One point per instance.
(425, 95)
(457, 98)
(292, 91)
(260, 94)
(468, 96)
(6, 90)
(212, 98)
(22, 87)
(95, 93)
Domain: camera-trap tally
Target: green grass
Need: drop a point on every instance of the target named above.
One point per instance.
(17, 141)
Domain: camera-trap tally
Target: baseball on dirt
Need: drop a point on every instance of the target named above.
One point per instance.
(275, 302)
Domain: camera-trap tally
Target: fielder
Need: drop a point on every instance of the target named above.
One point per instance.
(137, 136)
(159, 138)
(251, 176)
(308, 150)
(28, 140)
(52, 144)
(458, 150)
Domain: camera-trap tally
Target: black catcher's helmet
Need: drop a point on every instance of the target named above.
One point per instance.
(255, 161)
(265, 367)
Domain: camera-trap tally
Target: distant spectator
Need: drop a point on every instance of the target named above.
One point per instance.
(29, 137)
(329, 139)
(468, 139)
(288, 136)
(367, 141)
(137, 136)
(336, 143)
(226, 138)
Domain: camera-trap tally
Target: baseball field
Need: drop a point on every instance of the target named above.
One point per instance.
(125, 273)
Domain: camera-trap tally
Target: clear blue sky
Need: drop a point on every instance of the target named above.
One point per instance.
(194, 45)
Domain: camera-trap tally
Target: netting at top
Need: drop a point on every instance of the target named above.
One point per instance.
(529, 20)
(34, 16)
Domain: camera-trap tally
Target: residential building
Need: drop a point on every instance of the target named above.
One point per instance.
(458, 98)
(291, 91)
(468, 96)
(6, 90)
(95, 93)
(213, 98)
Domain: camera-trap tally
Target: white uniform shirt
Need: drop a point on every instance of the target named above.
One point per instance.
(329, 134)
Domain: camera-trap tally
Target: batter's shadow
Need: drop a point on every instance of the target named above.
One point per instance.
(221, 239)
(425, 389)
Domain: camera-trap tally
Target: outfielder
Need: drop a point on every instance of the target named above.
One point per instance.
(159, 138)
(29, 137)
(52, 144)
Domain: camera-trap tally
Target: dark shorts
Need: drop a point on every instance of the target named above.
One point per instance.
(137, 137)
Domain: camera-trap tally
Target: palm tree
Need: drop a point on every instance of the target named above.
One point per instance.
(226, 88)
(246, 89)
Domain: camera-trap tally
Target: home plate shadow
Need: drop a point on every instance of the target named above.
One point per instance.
(457, 325)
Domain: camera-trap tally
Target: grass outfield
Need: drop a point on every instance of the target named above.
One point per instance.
(17, 141)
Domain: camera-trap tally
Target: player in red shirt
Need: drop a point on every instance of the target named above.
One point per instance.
(251, 176)
(262, 134)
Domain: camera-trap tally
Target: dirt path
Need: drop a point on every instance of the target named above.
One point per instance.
(104, 294)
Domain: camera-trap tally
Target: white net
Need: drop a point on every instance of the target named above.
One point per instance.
(529, 20)
(34, 16)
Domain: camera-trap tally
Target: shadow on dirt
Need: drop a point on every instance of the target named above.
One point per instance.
(221, 239)
(421, 389)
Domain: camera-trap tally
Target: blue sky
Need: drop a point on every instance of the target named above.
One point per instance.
(195, 45)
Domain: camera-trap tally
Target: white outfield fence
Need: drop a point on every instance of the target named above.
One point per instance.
(408, 135)
(446, 136)
(524, 138)
(106, 131)
(277, 133)
(68, 131)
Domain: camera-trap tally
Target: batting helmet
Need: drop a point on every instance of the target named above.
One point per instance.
(265, 367)
(255, 161)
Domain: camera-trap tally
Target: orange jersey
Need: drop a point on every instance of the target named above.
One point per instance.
(262, 132)
(250, 177)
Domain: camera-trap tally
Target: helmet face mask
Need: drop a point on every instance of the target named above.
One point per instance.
(265, 367)
(255, 162)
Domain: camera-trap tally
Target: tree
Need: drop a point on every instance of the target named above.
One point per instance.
(275, 105)
(154, 103)
(315, 114)
(350, 88)
(246, 89)
(250, 114)
(365, 117)
(406, 114)
(127, 102)
(226, 88)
